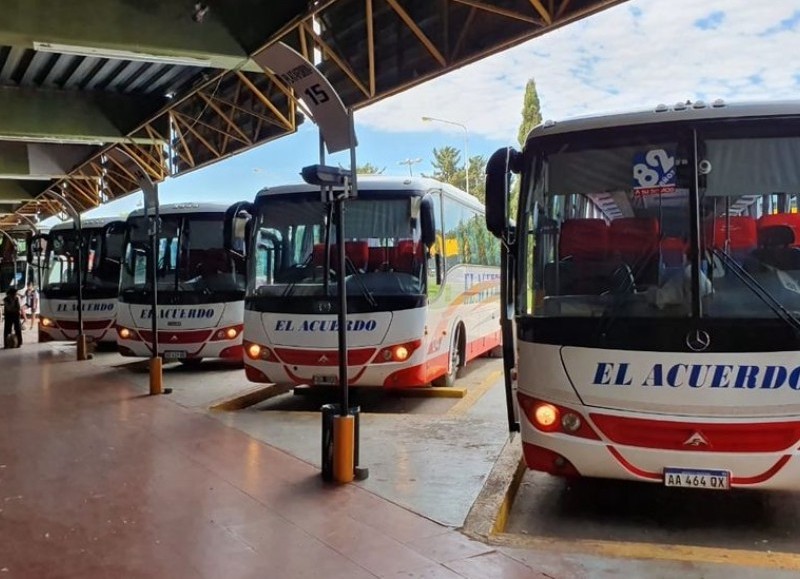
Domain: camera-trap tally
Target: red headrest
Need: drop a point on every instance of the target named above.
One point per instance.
(358, 253)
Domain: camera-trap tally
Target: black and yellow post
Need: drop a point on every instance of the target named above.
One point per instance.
(150, 192)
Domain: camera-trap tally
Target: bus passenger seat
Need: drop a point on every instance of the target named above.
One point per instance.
(358, 254)
(743, 236)
(791, 220)
(583, 265)
(776, 248)
(673, 250)
(406, 259)
(378, 256)
(318, 255)
(583, 239)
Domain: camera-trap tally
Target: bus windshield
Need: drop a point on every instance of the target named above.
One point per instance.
(296, 251)
(101, 261)
(609, 219)
(191, 257)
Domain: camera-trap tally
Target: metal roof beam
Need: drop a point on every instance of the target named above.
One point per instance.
(13, 191)
(40, 160)
(71, 117)
(168, 31)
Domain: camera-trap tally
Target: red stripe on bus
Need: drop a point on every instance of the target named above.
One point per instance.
(698, 436)
(737, 480)
(631, 468)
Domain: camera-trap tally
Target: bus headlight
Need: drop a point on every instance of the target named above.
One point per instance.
(257, 352)
(124, 333)
(546, 416)
(400, 353)
(254, 351)
(46, 322)
(231, 333)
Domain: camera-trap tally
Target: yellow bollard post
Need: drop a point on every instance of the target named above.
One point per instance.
(155, 376)
(343, 448)
(80, 344)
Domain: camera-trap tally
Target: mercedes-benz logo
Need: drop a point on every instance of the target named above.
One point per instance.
(698, 341)
(323, 307)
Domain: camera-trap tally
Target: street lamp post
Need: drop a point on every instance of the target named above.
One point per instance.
(466, 142)
(410, 162)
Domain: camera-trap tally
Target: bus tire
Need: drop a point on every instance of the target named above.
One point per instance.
(456, 354)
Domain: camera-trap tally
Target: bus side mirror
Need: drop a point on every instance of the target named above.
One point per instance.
(428, 222)
(498, 187)
(237, 227)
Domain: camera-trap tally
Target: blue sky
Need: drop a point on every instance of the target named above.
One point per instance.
(633, 56)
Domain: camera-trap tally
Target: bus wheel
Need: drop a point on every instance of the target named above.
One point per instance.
(456, 362)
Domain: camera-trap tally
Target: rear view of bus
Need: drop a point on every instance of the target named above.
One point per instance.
(421, 289)
(101, 253)
(200, 286)
(658, 293)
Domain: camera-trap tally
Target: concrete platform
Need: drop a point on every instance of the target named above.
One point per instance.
(97, 479)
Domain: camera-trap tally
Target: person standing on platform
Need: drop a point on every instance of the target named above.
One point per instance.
(12, 314)
(31, 305)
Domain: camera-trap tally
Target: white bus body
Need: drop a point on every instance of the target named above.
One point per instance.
(657, 295)
(410, 322)
(58, 299)
(200, 287)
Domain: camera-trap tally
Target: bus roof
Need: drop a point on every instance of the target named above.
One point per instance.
(697, 111)
(180, 208)
(91, 223)
(378, 183)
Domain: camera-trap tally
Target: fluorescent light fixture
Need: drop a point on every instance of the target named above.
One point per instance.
(98, 52)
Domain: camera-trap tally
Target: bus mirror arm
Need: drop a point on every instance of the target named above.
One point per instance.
(438, 260)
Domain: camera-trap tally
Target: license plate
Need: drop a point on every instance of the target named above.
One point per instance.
(324, 380)
(715, 480)
(174, 355)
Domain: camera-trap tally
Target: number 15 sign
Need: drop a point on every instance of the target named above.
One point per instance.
(314, 89)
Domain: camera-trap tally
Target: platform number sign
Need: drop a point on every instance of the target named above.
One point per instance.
(311, 86)
(654, 172)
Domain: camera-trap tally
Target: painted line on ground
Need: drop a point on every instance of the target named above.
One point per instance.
(658, 551)
(473, 395)
(248, 398)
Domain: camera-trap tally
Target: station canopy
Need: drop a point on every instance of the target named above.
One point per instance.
(91, 88)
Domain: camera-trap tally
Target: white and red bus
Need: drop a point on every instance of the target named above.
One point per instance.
(655, 276)
(101, 240)
(200, 286)
(422, 285)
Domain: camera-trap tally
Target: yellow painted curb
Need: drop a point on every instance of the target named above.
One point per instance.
(429, 392)
(249, 397)
(659, 551)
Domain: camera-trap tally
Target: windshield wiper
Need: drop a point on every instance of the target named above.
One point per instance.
(291, 285)
(364, 290)
(759, 290)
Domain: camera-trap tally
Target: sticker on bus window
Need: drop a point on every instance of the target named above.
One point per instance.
(654, 172)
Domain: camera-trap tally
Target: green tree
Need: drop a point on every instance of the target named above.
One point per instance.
(446, 163)
(531, 114)
(449, 168)
(369, 169)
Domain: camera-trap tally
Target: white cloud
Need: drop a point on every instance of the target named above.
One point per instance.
(614, 60)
